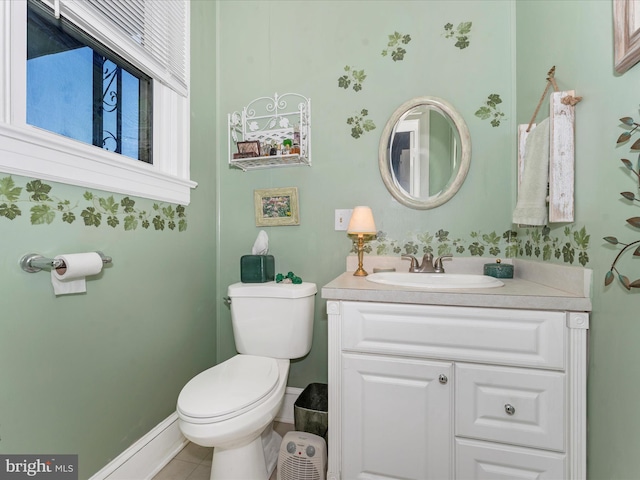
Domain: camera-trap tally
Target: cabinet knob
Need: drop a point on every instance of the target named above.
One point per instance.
(443, 378)
(510, 409)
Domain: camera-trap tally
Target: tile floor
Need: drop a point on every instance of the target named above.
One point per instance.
(193, 462)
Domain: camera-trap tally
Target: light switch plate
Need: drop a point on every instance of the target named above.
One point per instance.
(342, 218)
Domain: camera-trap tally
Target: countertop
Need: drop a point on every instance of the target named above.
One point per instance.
(535, 286)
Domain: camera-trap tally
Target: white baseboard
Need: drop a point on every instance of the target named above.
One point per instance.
(145, 458)
(285, 415)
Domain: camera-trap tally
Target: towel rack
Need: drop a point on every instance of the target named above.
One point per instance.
(561, 149)
(33, 262)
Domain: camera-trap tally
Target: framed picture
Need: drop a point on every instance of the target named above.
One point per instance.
(276, 207)
(626, 33)
(249, 149)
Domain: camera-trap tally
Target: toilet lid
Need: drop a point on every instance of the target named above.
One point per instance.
(229, 387)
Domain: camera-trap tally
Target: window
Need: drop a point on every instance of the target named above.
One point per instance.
(67, 72)
(95, 94)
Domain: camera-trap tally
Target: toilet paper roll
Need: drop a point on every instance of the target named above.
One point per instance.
(72, 278)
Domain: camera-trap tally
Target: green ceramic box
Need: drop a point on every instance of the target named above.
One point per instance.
(257, 268)
(498, 270)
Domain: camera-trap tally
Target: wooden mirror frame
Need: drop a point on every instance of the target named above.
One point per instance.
(453, 186)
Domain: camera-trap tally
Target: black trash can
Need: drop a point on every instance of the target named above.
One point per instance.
(310, 410)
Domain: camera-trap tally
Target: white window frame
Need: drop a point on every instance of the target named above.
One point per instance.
(33, 152)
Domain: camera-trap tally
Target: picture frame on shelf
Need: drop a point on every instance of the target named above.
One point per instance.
(275, 207)
(249, 149)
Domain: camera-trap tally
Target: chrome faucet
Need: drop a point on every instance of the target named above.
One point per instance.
(429, 265)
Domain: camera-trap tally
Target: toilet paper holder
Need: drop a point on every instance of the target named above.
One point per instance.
(33, 262)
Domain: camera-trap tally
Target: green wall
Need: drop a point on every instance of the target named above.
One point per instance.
(577, 39)
(304, 47)
(89, 374)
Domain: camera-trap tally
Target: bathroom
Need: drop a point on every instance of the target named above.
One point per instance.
(91, 374)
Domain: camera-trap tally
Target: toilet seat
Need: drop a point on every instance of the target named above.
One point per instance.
(228, 389)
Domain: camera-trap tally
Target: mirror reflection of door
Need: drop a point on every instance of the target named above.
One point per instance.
(423, 152)
(405, 158)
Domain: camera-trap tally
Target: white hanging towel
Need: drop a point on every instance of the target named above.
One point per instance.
(531, 208)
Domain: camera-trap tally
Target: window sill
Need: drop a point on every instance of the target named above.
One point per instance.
(31, 152)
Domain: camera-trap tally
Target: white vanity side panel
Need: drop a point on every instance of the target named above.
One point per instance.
(489, 335)
(537, 399)
(486, 461)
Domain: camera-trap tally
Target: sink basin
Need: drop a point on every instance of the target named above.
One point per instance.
(435, 280)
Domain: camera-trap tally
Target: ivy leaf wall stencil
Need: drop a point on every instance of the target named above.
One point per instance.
(490, 110)
(461, 33)
(534, 242)
(359, 124)
(394, 48)
(45, 207)
(632, 126)
(352, 76)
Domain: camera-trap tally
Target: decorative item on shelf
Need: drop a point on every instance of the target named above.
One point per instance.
(276, 207)
(633, 126)
(361, 224)
(248, 149)
(289, 278)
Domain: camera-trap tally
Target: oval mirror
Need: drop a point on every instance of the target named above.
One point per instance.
(424, 153)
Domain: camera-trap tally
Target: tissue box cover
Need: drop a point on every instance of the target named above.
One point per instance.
(257, 268)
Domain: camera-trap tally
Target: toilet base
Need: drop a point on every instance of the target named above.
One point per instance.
(253, 461)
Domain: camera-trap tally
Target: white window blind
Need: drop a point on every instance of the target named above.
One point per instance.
(153, 33)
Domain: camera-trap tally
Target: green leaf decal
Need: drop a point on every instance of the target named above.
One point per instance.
(627, 121)
(91, 217)
(41, 214)
(490, 110)
(393, 46)
(9, 190)
(39, 191)
(109, 205)
(9, 211)
(611, 240)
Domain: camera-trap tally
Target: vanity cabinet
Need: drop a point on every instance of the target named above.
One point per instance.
(455, 392)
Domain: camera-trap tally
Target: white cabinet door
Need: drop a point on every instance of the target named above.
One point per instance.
(396, 418)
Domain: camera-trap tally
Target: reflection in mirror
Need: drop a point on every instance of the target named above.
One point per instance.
(425, 152)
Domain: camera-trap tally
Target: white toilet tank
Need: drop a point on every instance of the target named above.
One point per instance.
(273, 319)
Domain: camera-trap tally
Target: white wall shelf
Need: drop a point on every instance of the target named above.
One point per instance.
(271, 121)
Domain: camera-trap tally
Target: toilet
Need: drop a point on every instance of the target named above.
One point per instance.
(231, 406)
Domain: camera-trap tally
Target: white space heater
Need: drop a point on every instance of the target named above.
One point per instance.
(303, 456)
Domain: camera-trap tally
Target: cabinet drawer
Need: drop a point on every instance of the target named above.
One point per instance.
(511, 405)
(486, 461)
(488, 335)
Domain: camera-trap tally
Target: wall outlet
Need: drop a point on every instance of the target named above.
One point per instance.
(342, 218)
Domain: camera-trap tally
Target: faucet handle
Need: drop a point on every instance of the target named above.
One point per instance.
(437, 264)
(427, 259)
(414, 262)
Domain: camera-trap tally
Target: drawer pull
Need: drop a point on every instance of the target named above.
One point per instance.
(510, 409)
(443, 379)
